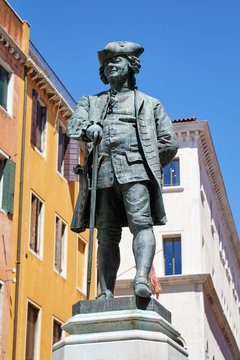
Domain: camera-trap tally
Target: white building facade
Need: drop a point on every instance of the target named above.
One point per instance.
(197, 256)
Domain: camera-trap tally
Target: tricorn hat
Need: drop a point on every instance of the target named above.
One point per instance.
(119, 48)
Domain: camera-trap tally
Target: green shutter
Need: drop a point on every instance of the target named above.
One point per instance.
(8, 186)
(4, 80)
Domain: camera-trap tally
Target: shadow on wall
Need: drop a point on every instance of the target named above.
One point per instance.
(216, 331)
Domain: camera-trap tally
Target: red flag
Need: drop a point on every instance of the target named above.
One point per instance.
(152, 278)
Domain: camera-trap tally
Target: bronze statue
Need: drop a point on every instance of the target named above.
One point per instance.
(135, 139)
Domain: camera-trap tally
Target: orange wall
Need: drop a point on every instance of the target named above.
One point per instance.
(39, 282)
(9, 126)
(11, 23)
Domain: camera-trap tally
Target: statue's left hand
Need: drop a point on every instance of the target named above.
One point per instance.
(94, 133)
(77, 169)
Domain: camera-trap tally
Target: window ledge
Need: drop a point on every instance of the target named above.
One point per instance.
(6, 112)
(62, 274)
(84, 292)
(41, 153)
(62, 176)
(170, 189)
(35, 254)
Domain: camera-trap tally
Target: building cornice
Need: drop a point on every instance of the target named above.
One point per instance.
(38, 74)
(211, 295)
(12, 47)
(213, 300)
(43, 82)
(199, 131)
(45, 78)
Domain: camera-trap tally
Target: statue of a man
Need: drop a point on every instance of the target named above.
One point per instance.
(136, 140)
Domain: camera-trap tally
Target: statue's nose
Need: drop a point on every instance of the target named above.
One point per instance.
(111, 67)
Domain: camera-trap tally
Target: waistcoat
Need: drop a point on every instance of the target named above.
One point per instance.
(120, 154)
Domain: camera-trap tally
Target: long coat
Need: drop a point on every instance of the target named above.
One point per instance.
(157, 140)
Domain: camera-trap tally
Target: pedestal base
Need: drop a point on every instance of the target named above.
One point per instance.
(120, 335)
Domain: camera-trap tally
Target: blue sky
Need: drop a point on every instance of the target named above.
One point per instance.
(191, 60)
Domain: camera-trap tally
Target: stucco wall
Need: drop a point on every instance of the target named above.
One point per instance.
(9, 125)
(39, 282)
(188, 212)
(11, 23)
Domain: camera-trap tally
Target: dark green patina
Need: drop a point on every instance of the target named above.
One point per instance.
(135, 140)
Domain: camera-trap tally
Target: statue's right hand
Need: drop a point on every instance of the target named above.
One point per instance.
(94, 133)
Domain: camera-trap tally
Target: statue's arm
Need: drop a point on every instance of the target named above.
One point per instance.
(79, 121)
(166, 137)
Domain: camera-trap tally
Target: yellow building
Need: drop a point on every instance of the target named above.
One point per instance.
(50, 260)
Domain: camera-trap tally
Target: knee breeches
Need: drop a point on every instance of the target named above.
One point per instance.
(131, 198)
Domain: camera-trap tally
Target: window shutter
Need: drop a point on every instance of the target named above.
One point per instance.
(43, 117)
(58, 244)
(33, 223)
(71, 159)
(39, 127)
(8, 186)
(34, 116)
(57, 332)
(39, 229)
(36, 225)
(31, 332)
(60, 148)
(63, 226)
(4, 79)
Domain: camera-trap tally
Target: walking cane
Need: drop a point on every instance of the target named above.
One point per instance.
(92, 216)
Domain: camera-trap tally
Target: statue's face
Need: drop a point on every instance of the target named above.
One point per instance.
(116, 69)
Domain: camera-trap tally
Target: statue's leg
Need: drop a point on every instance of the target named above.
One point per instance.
(137, 205)
(109, 235)
(108, 260)
(144, 245)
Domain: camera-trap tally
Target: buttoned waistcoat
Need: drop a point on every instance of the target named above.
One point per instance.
(120, 155)
(157, 140)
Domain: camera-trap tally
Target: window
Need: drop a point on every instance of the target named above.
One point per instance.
(4, 81)
(202, 194)
(7, 183)
(219, 235)
(6, 87)
(36, 225)
(63, 140)
(81, 265)
(60, 257)
(211, 208)
(173, 256)
(1, 309)
(171, 174)
(57, 331)
(68, 154)
(33, 333)
(39, 117)
(2, 167)
(206, 351)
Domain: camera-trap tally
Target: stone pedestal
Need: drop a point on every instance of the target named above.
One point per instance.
(120, 329)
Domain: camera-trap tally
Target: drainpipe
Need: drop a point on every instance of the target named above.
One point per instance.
(20, 215)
